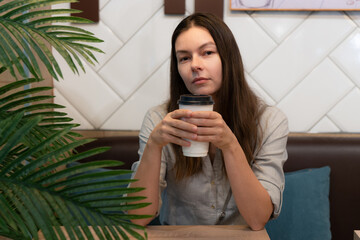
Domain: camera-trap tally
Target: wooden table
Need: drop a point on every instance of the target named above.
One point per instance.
(215, 232)
(200, 232)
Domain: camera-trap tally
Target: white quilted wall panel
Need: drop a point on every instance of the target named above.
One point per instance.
(306, 63)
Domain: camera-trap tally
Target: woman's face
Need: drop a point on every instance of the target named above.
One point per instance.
(198, 61)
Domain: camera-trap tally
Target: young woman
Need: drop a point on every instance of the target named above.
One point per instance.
(241, 180)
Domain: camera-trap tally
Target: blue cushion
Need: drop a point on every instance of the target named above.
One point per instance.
(305, 210)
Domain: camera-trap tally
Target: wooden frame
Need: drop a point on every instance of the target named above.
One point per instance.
(295, 5)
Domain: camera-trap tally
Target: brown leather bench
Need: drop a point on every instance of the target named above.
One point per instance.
(340, 152)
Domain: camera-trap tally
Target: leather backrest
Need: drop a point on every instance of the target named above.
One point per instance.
(123, 148)
(341, 153)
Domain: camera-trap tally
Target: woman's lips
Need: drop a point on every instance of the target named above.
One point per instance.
(200, 80)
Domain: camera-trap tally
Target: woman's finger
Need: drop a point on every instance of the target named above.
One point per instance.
(203, 122)
(205, 114)
(175, 120)
(179, 141)
(180, 113)
(180, 133)
(204, 118)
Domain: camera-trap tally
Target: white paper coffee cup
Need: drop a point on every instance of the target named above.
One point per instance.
(196, 103)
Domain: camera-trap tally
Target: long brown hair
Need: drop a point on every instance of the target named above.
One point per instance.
(235, 101)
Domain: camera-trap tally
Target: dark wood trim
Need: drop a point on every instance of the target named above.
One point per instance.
(90, 9)
(210, 6)
(174, 6)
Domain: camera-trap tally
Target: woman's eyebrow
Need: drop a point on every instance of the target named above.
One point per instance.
(181, 51)
(207, 44)
(201, 47)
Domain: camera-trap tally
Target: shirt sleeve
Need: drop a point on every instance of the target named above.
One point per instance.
(151, 119)
(271, 156)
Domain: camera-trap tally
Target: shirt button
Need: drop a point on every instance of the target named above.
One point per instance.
(212, 206)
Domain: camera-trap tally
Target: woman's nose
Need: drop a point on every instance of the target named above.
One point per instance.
(196, 63)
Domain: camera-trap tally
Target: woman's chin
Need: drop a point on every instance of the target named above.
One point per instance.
(202, 92)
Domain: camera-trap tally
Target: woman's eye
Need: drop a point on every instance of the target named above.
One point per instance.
(208, 52)
(183, 59)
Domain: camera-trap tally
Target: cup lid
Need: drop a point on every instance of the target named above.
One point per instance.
(189, 99)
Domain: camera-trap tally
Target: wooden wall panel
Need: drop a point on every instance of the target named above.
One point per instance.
(174, 6)
(211, 6)
(90, 9)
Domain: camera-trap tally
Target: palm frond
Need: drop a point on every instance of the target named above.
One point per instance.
(67, 29)
(42, 185)
(23, 25)
(16, 103)
(42, 13)
(41, 191)
(8, 87)
(2, 69)
(24, 93)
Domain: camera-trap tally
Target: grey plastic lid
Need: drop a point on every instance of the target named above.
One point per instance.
(189, 99)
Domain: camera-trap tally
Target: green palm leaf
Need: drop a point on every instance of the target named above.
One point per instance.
(24, 26)
(38, 194)
(2, 69)
(39, 190)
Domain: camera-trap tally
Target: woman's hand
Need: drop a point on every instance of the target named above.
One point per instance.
(172, 129)
(211, 127)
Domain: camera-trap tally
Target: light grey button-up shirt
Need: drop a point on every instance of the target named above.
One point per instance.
(199, 200)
